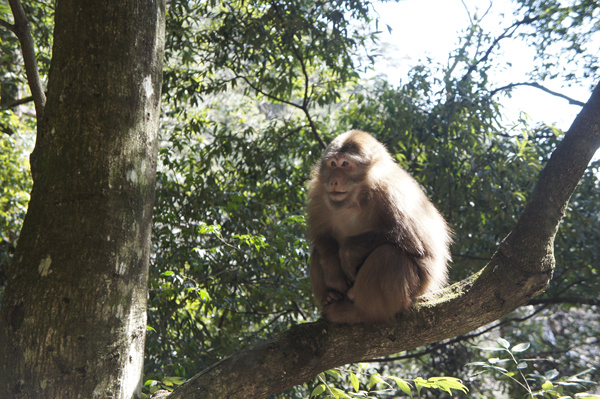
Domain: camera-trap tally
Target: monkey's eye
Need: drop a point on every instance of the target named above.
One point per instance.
(333, 164)
(345, 163)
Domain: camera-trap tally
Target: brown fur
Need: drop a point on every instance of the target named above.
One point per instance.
(378, 242)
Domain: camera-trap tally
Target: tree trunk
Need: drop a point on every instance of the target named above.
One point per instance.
(73, 317)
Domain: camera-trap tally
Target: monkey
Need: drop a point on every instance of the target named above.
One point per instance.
(377, 241)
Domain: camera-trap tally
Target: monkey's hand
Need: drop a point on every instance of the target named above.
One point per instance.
(333, 296)
(356, 249)
(333, 275)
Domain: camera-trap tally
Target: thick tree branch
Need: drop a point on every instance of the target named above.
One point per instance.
(520, 269)
(458, 339)
(21, 29)
(556, 184)
(538, 86)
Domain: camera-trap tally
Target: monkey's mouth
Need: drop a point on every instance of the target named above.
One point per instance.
(338, 195)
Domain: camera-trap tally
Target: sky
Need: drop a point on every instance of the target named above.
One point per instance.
(422, 28)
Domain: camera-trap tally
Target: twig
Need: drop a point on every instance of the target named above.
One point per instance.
(539, 86)
(468, 12)
(508, 32)
(570, 300)
(23, 33)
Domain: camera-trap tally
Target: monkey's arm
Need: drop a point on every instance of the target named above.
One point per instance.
(355, 250)
(328, 280)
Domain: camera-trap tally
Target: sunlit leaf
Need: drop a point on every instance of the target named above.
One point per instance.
(319, 389)
(520, 347)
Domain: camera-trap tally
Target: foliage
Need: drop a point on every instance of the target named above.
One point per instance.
(564, 33)
(374, 384)
(167, 383)
(242, 82)
(239, 142)
(229, 258)
(14, 189)
(297, 53)
(251, 91)
(514, 367)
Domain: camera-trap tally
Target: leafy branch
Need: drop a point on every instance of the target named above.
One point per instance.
(326, 390)
(508, 32)
(513, 367)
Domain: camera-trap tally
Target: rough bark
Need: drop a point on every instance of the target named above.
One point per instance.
(520, 269)
(73, 317)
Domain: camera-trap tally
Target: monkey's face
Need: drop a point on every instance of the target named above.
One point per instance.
(341, 175)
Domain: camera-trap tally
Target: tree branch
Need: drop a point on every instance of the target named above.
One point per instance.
(21, 30)
(520, 269)
(17, 103)
(8, 26)
(556, 184)
(538, 86)
(302, 107)
(570, 300)
(306, 96)
(508, 32)
(458, 339)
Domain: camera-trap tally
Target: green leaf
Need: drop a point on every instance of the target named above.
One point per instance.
(447, 383)
(521, 347)
(355, 382)
(374, 380)
(546, 386)
(403, 385)
(477, 364)
(522, 365)
(319, 389)
(338, 392)
(204, 295)
(500, 369)
(551, 374)
(503, 343)
(172, 381)
(419, 384)
(489, 348)
(333, 373)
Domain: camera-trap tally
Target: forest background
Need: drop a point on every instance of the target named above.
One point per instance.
(250, 92)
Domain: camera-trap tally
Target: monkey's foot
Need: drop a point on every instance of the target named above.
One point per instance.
(350, 294)
(342, 311)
